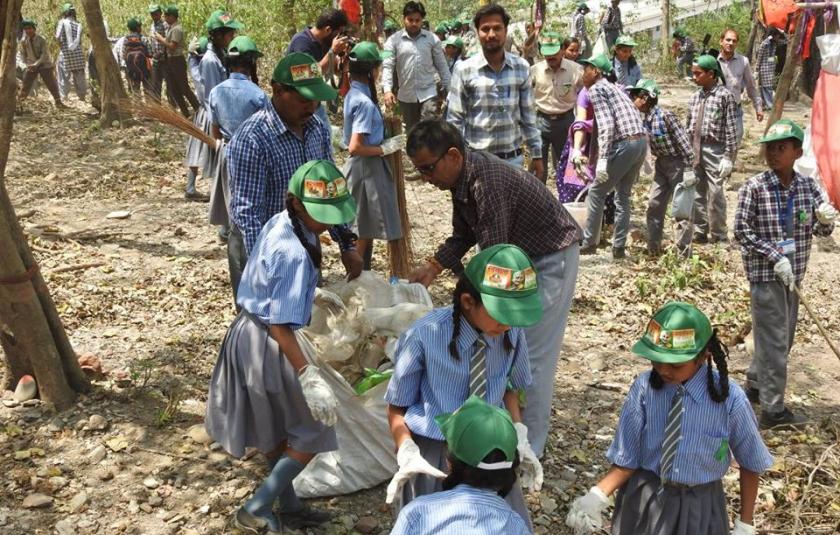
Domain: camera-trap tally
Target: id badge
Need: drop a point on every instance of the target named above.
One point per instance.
(786, 247)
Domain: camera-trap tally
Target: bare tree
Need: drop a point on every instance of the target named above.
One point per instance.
(112, 90)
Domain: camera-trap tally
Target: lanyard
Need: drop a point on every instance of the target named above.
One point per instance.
(785, 216)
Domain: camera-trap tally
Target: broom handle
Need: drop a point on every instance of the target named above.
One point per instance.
(816, 321)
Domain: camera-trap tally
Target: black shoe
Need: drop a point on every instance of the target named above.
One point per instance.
(590, 249)
(196, 196)
(781, 419)
(245, 521)
(307, 517)
(618, 253)
(752, 393)
(700, 238)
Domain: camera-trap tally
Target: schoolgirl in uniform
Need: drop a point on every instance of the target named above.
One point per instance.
(680, 426)
(192, 160)
(264, 393)
(452, 353)
(368, 174)
(483, 460)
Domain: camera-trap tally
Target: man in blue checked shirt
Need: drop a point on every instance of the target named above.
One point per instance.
(270, 146)
(491, 98)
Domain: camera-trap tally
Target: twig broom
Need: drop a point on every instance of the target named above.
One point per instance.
(166, 115)
(400, 252)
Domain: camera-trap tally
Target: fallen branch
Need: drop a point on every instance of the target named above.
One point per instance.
(817, 321)
(77, 267)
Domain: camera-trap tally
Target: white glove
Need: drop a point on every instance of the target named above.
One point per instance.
(411, 463)
(826, 214)
(319, 396)
(725, 168)
(784, 271)
(393, 144)
(742, 528)
(647, 166)
(530, 468)
(585, 512)
(689, 178)
(601, 175)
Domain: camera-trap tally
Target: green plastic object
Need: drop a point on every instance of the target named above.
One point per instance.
(371, 379)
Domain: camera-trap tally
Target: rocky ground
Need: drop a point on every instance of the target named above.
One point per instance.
(147, 295)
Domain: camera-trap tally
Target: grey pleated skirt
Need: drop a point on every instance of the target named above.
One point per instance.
(372, 186)
(699, 510)
(435, 452)
(255, 398)
(198, 151)
(219, 211)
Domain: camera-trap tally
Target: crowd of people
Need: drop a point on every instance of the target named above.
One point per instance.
(469, 402)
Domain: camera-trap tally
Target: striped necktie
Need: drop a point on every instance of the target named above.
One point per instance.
(672, 435)
(478, 367)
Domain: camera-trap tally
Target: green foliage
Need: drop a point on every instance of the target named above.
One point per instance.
(672, 275)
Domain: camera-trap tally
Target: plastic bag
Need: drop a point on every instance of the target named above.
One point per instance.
(683, 202)
(372, 378)
(829, 45)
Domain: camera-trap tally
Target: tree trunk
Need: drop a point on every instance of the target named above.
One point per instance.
(787, 76)
(753, 31)
(665, 28)
(26, 334)
(112, 92)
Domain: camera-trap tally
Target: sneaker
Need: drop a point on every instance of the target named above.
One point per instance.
(307, 517)
(196, 196)
(781, 419)
(618, 253)
(589, 249)
(248, 523)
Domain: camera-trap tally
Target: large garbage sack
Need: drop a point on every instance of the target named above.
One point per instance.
(825, 128)
(355, 326)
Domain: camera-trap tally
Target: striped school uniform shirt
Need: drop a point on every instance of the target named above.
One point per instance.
(464, 510)
(212, 71)
(279, 280)
(428, 381)
(711, 433)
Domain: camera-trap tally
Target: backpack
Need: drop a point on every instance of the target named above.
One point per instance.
(136, 55)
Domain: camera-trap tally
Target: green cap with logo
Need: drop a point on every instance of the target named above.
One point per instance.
(323, 191)
(67, 8)
(441, 28)
(646, 84)
(710, 63)
(507, 281)
(551, 43)
(457, 42)
(390, 25)
(783, 129)
(600, 62)
(625, 40)
(133, 24)
(582, 5)
(154, 8)
(171, 10)
(27, 23)
(368, 51)
(677, 333)
(221, 20)
(242, 44)
(477, 429)
(456, 24)
(301, 71)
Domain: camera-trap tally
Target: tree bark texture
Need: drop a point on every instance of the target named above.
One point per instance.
(110, 82)
(787, 76)
(665, 28)
(753, 31)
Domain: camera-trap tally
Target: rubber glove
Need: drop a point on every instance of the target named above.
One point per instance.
(585, 512)
(725, 167)
(578, 158)
(826, 214)
(689, 178)
(319, 396)
(601, 175)
(530, 468)
(743, 529)
(393, 144)
(784, 271)
(411, 463)
(647, 165)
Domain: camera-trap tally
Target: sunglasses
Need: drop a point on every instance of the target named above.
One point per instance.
(429, 168)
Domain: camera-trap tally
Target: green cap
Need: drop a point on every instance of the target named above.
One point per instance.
(646, 84)
(221, 19)
(368, 51)
(456, 24)
(323, 190)
(783, 129)
(154, 8)
(551, 43)
(171, 10)
(242, 44)
(133, 24)
(625, 40)
(390, 25)
(507, 281)
(27, 23)
(582, 5)
(600, 62)
(475, 430)
(301, 71)
(679, 32)
(67, 7)
(441, 28)
(677, 333)
(710, 63)
(454, 41)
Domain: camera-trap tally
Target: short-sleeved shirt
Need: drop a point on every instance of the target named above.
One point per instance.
(711, 433)
(233, 101)
(555, 92)
(279, 279)
(304, 41)
(212, 71)
(428, 381)
(175, 34)
(362, 116)
(465, 509)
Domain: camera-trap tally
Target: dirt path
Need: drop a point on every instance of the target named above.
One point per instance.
(156, 309)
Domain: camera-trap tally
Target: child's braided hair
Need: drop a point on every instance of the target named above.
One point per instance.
(314, 250)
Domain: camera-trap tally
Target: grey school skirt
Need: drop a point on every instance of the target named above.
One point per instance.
(698, 510)
(219, 211)
(255, 398)
(435, 452)
(197, 151)
(372, 185)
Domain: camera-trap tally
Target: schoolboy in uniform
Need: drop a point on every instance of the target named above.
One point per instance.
(35, 55)
(778, 212)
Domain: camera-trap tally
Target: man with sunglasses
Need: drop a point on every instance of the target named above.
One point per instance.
(494, 202)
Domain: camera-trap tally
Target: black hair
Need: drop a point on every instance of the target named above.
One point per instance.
(569, 40)
(314, 250)
(412, 7)
(488, 10)
(501, 481)
(717, 353)
(215, 37)
(365, 69)
(334, 18)
(464, 286)
(435, 135)
(631, 61)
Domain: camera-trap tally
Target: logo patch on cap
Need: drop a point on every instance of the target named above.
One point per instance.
(780, 129)
(305, 72)
(321, 189)
(677, 339)
(507, 279)
(224, 18)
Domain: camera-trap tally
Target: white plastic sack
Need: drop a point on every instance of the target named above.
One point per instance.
(683, 202)
(600, 46)
(829, 45)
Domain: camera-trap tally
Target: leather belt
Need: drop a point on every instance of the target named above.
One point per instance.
(508, 155)
(555, 116)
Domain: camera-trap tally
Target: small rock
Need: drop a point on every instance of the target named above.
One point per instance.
(65, 527)
(104, 474)
(151, 483)
(198, 434)
(548, 505)
(26, 388)
(78, 426)
(31, 402)
(56, 425)
(215, 446)
(204, 509)
(241, 493)
(10, 403)
(596, 363)
(366, 524)
(58, 482)
(37, 500)
(146, 508)
(78, 501)
(542, 520)
(97, 455)
(97, 422)
(155, 500)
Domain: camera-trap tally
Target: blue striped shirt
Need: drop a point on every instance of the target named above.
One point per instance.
(212, 72)
(362, 116)
(279, 280)
(711, 433)
(428, 381)
(233, 101)
(464, 510)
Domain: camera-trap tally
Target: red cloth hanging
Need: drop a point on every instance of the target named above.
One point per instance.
(353, 9)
